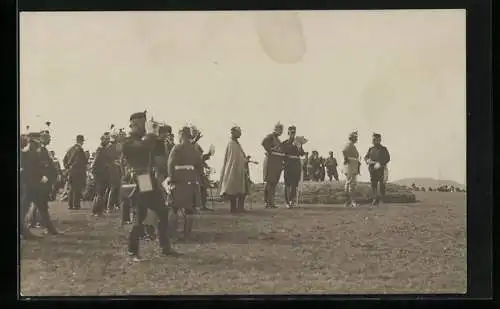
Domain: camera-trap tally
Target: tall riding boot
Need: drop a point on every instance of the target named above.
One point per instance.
(241, 203)
(233, 204)
(266, 195)
(272, 193)
(173, 224)
(188, 225)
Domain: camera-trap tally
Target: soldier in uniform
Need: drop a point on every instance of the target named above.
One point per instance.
(113, 152)
(159, 159)
(273, 164)
(377, 158)
(204, 182)
(305, 163)
(292, 173)
(58, 184)
(137, 151)
(41, 177)
(331, 167)
(351, 168)
(75, 161)
(100, 172)
(28, 181)
(315, 166)
(322, 167)
(184, 169)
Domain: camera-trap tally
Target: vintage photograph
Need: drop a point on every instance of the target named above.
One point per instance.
(242, 152)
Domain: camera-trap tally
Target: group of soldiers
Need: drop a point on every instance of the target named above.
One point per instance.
(316, 168)
(146, 170)
(286, 156)
(444, 188)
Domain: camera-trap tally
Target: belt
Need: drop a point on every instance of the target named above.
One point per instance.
(293, 157)
(353, 159)
(277, 154)
(139, 170)
(184, 167)
(117, 162)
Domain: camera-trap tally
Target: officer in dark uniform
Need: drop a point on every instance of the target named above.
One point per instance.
(75, 161)
(293, 169)
(27, 181)
(100, 171)
(273, 164)
(137, 151)
(41, 175)
(377, 158)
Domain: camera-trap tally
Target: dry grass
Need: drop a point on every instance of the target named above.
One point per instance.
(412, 248)
(334, 193)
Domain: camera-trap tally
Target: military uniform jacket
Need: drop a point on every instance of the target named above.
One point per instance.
(185, 164)
(271, 144)
(101, 163)
(378, 154)
(292, 153)
(331, 164)
(137, 151)
(75, 161)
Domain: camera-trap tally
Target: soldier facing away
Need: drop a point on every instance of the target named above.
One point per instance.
(184, 169)
(137, 151)
(331, 167)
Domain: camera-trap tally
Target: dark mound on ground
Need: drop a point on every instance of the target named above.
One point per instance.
(333, 193)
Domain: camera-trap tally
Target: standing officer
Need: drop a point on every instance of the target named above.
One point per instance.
(351, 168)
(27, 181)
(331, 167)
(75, 161)
(204, 182)
(184, 169)
(100, 171)
(377, 158)
(137, 151)
(273, 164)
(293, 151)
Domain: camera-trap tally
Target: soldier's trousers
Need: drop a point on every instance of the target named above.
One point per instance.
(41, 200)
(152, 200)
(269, 193)
(100, 199)
(237, 202)
(126, 206)
(75, 193)
(333, 175)
(113, 196)
(377, 179)
(204, 196)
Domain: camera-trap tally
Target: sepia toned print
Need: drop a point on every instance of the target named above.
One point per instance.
(284, 152)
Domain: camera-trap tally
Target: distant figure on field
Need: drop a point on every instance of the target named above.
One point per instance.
(315, 166)
(331, 167)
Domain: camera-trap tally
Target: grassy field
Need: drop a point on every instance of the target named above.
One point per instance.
(393, 248)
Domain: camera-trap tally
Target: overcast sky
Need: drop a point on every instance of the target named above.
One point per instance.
(398, 73)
